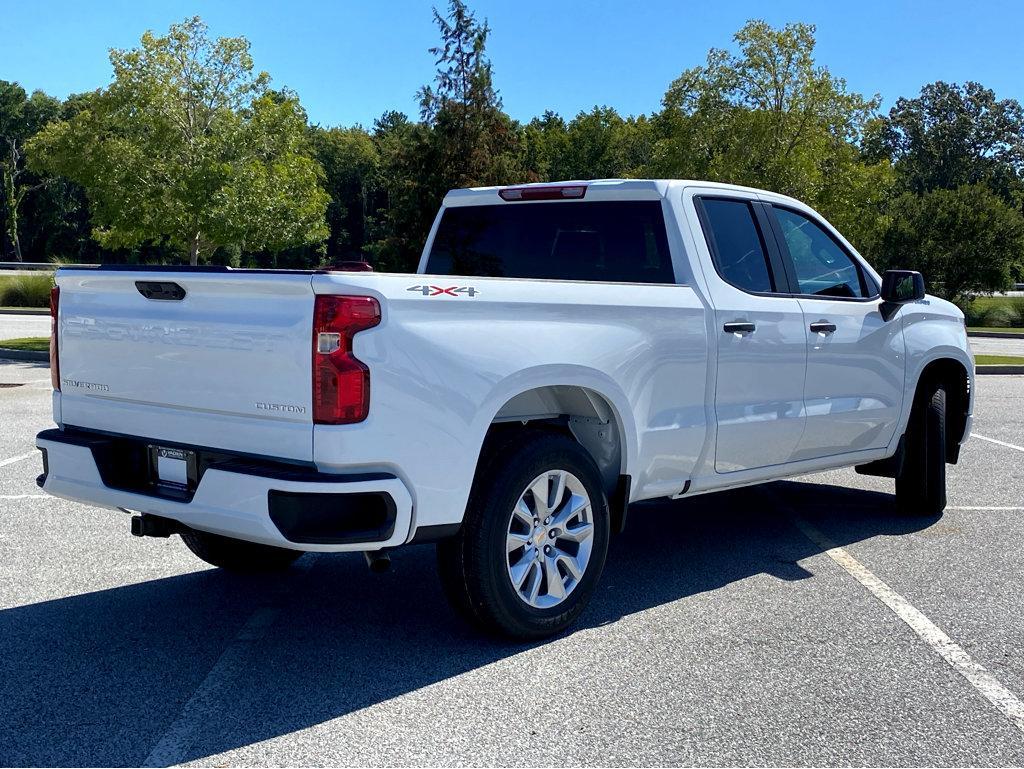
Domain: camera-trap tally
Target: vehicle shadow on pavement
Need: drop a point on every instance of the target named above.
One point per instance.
(96, 679)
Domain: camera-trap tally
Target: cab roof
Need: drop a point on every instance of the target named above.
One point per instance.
(590, 189)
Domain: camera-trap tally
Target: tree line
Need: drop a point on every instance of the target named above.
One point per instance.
(191, 155)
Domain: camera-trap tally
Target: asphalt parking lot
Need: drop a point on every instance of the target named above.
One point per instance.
(724, 632)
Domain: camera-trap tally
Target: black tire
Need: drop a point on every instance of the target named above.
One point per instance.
(921, 481)
(473, 564)
(238, 555)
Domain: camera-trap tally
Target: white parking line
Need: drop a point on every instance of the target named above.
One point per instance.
(173, 746)
(22, 457)
(202, 707)
(1007, 509)
(24, 496)
(986, 684)
(1001, 443)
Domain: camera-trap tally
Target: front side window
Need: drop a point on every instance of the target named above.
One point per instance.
(609, 241)
(736, 244)
(822, 267)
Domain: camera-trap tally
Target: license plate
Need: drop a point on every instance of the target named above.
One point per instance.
(173, 466)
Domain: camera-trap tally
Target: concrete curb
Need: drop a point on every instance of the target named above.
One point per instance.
(24, 311)
(28, 266)
(999, 369)
(24, 355)
(996, 335)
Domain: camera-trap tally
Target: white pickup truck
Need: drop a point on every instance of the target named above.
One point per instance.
(563, 351)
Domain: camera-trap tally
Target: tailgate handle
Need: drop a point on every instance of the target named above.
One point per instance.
(160, 289)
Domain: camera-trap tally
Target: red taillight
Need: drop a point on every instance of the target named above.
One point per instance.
(341, 382)
(560, 192)
(54, 353)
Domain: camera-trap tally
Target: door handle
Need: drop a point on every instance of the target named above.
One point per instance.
(823, 327)
(739, 327)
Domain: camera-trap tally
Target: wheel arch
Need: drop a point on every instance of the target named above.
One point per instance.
(595, 417)
(956, 380)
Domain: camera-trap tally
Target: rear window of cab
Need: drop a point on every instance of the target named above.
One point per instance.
(606, 241)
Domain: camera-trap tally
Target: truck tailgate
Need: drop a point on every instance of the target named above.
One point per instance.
(226, 366)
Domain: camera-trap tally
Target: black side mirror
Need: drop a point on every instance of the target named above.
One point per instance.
(898, 288)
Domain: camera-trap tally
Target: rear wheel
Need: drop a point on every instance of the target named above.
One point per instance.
(534, 539)
(921, 482)
(238, 555)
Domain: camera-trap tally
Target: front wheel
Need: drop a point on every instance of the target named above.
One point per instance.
(534, 539)
(238, 555)
(921, 481)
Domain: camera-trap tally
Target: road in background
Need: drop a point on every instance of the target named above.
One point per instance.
(720, 634)
(15, 326)
(983, 345)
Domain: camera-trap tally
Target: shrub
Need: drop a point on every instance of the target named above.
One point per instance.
(25, 290)
(1018, 309)
(965, 241)
(1000, 316)
(970, 310)
(994, 311)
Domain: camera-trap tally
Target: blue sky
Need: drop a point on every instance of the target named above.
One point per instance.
(351, 61)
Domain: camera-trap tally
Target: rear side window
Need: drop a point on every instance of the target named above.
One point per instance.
(736, 245)
(613, 241)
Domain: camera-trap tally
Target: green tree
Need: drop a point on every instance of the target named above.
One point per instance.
(769, 116)
(350, 160)
(403, 204)
(604, 145)
(964, 241)
(951, 135)
(21, 117)
(463, 80)
(189, 146)
(599, 144)
(474, 140)
(545, 148)
(52, 213)
(464, 140)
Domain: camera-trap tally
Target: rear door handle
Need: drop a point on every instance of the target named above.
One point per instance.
(739, 327)
(823, 327)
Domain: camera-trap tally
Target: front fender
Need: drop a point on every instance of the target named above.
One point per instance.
(933, 330)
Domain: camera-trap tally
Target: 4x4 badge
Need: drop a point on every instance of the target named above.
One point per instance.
(449, 291)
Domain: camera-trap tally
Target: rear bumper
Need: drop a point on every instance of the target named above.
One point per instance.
(281, 505)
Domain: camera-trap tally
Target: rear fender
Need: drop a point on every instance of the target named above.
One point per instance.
(598, 383)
